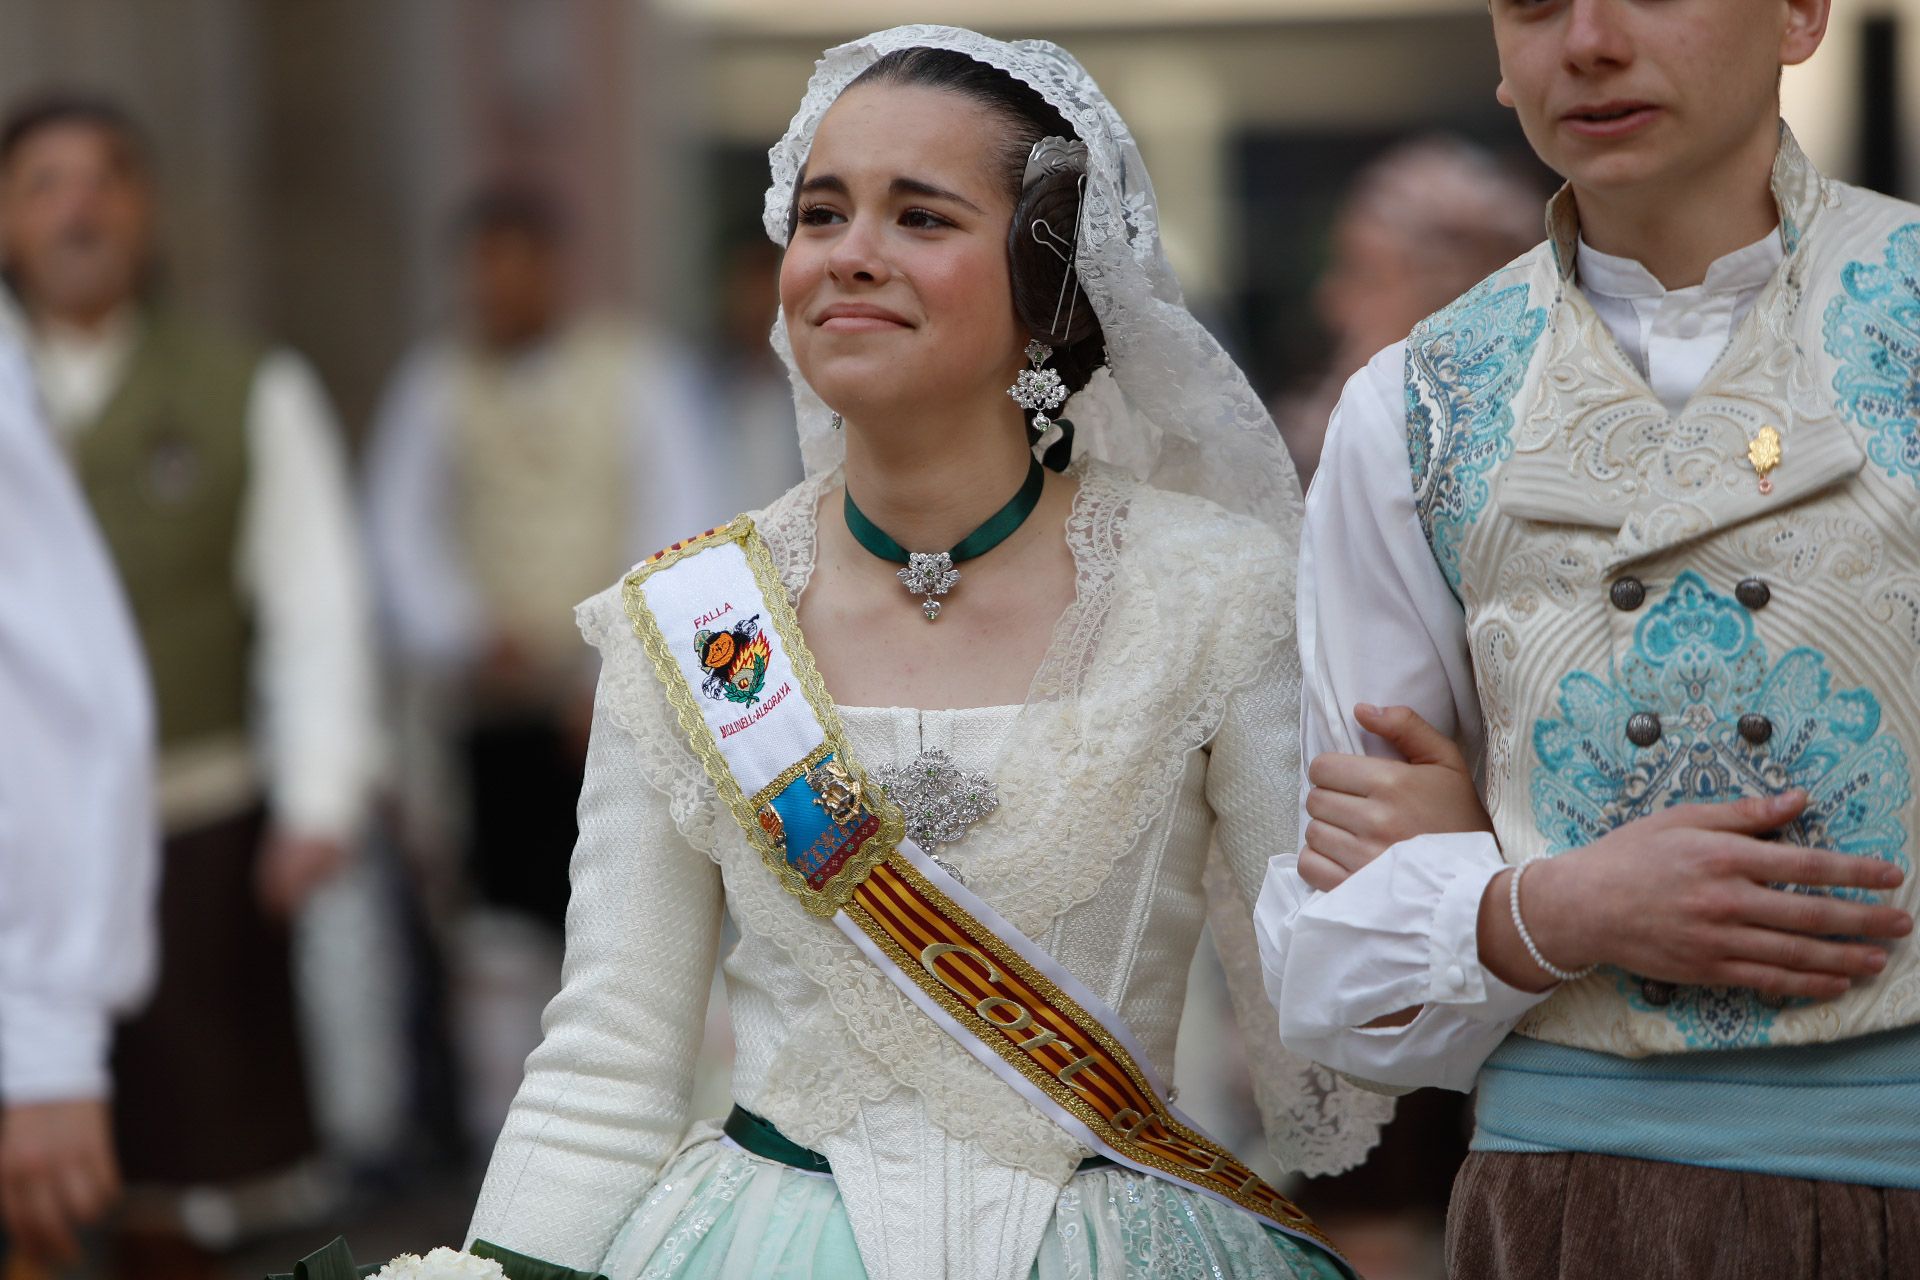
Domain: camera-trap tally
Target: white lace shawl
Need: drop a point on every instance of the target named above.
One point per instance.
(1179, 642)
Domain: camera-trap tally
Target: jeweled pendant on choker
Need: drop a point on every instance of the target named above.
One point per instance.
(931, 574)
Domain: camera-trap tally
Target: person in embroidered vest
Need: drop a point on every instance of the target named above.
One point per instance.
(514, 467)
(78, 853)
(1629, 527)
(1105, 692)
(216, 473)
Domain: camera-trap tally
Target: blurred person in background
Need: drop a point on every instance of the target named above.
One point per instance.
(215, 469)
(517, 462)
(1421, 223)
(77, 839)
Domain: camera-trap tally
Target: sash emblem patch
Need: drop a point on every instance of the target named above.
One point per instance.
(735, 661)
(818, 820)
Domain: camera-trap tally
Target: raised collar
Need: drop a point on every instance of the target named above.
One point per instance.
(1798, 192)
(1746, 268)
(1598, 448)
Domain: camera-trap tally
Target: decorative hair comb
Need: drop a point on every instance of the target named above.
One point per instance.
(1051, 157)
(1054, 155)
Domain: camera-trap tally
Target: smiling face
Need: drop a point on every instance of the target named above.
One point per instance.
(1654, 95)
(895, 284)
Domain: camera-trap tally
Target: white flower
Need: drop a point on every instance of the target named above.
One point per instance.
(441, 1264)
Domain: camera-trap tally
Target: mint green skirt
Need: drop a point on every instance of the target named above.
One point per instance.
(718, 1213)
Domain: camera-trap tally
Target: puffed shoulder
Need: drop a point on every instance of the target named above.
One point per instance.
(602, 617)
(1366, 441)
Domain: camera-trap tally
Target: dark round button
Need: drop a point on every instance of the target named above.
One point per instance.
(1755, 728)
(1657, 994)
(1643, 728)
(1753, 593)
(1627, 594)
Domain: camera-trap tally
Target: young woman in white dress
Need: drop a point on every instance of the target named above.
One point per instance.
(1120, 667)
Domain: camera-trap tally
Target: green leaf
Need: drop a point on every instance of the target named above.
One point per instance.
(519, 1266)
(334, 1262)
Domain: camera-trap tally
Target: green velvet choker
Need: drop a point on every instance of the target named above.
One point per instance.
(931, 573)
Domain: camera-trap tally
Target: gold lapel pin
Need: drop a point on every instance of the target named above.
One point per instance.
(1763, 451)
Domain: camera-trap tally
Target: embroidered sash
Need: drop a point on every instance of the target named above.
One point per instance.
(715, 620)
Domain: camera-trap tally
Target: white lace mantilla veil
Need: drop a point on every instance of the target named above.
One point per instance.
(1170, 408)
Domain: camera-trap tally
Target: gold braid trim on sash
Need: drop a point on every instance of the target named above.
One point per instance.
(893, 828)
(1047, 1037)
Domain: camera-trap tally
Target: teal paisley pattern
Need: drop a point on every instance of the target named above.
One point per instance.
(1698, 662)
(1872, 330)
(1465, 364)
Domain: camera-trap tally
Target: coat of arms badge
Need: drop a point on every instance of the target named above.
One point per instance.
(734, 662)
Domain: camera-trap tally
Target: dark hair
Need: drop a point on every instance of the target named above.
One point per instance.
(1038, 273)
(71, 106)
(512, 206)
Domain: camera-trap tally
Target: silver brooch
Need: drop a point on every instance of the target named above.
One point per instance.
(929, 574)
(940, 799)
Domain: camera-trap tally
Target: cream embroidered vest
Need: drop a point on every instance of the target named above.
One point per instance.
(544, 480)
(1651, 624)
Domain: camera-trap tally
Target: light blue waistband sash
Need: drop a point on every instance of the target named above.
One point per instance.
(1842, 1112)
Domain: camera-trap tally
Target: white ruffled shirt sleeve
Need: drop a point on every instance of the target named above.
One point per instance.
(1379, 624)
(300, 563)
(428, 600)
(78, 830)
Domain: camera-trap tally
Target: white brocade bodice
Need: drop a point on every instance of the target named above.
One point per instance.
(897, 1161)
(1162, 724)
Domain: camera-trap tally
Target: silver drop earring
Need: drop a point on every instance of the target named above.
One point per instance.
(836, 422)
(1038, 389)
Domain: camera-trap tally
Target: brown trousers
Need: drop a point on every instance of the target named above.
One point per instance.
(209, 1081)
(1571, 1216)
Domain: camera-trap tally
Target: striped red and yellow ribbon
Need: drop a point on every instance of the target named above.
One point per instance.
(1008, 1004)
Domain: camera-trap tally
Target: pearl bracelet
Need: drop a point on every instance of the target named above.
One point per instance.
(1513, 901)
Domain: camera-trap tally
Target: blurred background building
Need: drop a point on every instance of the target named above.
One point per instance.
(311, 155)
(311, 150)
